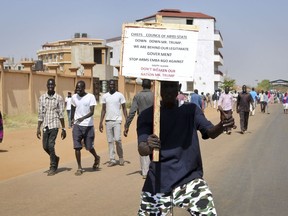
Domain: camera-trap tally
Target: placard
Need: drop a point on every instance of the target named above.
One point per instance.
(159, 53)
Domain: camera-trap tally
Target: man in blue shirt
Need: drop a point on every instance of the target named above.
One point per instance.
(254, 95)
(196, 99)
(177, 179)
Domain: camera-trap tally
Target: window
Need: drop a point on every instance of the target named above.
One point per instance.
(189, 21)
(111, 54)
(98, 56)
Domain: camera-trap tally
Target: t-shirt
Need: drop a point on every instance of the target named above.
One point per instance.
(180, 158)
(226, 101)
(82, 105)
(113, 105)
(68, 103)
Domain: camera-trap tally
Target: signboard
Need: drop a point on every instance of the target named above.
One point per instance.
(159, 52)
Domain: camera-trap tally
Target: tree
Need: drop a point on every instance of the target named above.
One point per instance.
(264, 85)
(228, 83)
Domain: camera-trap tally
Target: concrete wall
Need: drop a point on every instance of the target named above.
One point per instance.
(20, 90)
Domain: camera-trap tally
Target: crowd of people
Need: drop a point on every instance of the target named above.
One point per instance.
(243, 102)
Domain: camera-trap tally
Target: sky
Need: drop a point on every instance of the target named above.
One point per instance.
(255, 32)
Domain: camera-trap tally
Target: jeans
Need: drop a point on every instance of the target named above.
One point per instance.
(69, 118)
(113, 132)
(244, 116)
(49, 138)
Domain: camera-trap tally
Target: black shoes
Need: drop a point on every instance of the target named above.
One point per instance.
(53, 170)
(96, 164)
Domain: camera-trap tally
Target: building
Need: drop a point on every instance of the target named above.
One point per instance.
(207, 77)
(71, 53)
(10, 64)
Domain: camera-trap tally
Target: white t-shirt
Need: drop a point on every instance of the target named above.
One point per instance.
(68, 103)
(82, 105)
(113, 105)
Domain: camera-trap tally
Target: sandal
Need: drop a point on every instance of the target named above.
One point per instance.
(96, 164)
(111, 163)
(79, 172)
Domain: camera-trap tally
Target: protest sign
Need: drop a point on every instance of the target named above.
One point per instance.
(166, 52)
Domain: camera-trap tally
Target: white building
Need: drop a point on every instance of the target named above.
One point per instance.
(207, 76)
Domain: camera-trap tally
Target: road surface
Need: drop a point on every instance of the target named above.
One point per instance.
(246, 173)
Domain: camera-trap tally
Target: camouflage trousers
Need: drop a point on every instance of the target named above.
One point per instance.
(195, 197)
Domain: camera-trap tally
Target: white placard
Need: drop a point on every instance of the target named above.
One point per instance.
(159, 54)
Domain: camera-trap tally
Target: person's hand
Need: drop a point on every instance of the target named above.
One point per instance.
(101, 127)
(125, 133)
(153, 141)
(38, 133)
(78, 121)
(146, 148)
(226, 119)
(63, 134)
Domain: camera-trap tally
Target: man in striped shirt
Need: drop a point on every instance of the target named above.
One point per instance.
(50, 115)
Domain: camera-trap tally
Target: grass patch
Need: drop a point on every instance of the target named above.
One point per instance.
(31, 120)
(20, 121)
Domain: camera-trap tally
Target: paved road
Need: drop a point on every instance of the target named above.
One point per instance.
(252, 179)
(247, 175)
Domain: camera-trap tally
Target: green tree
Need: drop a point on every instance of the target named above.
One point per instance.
(228, 83)
(263, 85)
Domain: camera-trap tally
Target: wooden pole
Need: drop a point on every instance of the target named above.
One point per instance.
(156, 117)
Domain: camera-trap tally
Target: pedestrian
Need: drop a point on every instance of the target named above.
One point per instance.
(285, 103)
(1, 128)
(204, 101)
(50, 115)
(262, 101)
(226, 103)
(82, 111)
(196, 99)
(235, 96)
(254, 95)
(112, 102)
(209, 99)
(68, 108)
(267, 99)
(141, 101)
(181, 98)
(177, 179)
(244, 101)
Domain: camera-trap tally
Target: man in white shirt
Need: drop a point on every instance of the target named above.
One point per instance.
(112, 102)
(82, 111)
(68, 108)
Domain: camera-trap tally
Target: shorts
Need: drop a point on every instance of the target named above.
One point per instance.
(195, 197)
(85, 134)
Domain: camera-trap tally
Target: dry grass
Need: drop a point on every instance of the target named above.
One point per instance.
(20, 121)
(31, 120)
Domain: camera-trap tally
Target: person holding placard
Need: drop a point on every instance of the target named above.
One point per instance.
(177, 179)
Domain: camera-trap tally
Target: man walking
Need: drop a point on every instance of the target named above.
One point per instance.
(196, 99)
(253, 93)
(141, 101)
(82, 111)
(112, 102)
(68, 108)
(244, 101)
(226, 102)
(50, 115)
(177, 178)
